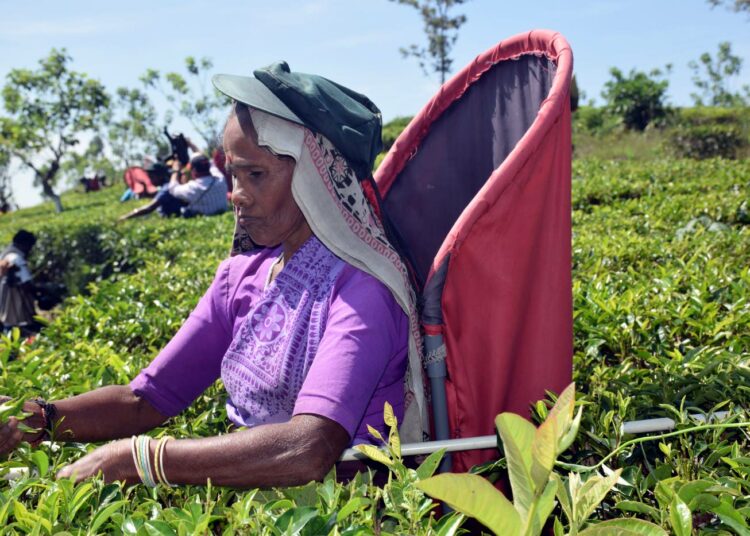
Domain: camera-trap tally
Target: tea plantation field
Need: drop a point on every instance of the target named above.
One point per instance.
(661, 267)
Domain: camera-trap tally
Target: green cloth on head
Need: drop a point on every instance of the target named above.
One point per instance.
(350, 121)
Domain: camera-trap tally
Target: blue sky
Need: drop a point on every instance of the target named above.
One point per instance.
(356, 42)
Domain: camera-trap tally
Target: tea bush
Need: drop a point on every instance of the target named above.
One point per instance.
(662, 328)
(707, 141)
(708, 132)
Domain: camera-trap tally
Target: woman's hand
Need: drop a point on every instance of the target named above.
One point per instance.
(114, 460)
(10, 433)
(10, 436)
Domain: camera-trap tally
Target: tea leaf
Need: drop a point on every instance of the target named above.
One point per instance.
(105, 514)
(543, 452)
(374, 433)
(388, 416)
(351, 506)
(428, 467)
(731, 517)
(562, 412)
(11, 408)
(569, 436)
(450, 525)
(41, 460)
(639, 507)
(476, 497)
(544, 506)
(592, 493)
(680, 517)
(375, 454)
(517, 435)
(624, 527)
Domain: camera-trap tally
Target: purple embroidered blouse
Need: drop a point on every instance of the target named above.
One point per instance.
(322, 338)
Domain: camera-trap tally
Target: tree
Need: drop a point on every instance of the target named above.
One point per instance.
(49, 110)
(735, 5)
(92, 160)
(441, 31)
(193, 97)
(133, 131)
(6, 189)
(638, 98)
(712, 77)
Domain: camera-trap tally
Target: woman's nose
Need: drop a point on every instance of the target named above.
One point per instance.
(240, 196)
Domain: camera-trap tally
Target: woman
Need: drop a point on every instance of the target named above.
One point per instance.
(308, 324)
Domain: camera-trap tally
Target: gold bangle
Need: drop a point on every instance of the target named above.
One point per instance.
(159, 460)
(134, 452)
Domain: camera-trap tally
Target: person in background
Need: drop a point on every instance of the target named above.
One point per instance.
(16, 286)
(165, 203)
(205, 194)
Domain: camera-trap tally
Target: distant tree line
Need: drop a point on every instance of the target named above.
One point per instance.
(50, 109)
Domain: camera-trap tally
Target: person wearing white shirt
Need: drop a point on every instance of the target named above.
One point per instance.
(205, 194)
(16, 286)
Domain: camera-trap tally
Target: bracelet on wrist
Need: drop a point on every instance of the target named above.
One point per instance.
(49, 413)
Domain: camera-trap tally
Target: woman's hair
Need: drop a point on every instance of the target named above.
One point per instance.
(24, 238)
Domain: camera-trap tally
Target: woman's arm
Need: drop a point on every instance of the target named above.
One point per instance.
(106, 413)
(288, 454)
(141, 211)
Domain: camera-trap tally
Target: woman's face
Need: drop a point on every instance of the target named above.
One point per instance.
(262, 193)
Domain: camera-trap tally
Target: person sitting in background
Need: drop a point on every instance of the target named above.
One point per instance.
(93, 184)
(138, 182)
(208, 198)
(205, 194)
(16, 286)
(163, 202)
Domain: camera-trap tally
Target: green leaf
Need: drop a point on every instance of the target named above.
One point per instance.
(476, 497)
(158, 528)
(375, 454)
(692, 489)
(517, 435)
(374, 433)
(624, 527)
(592, 493)
(732, 518)
(428, 467)
(562, 412)
(450, 524)
(294, 520)
(703, 502)
(543, 452)
(558, 528)
(664, 491)
(41, 461)
(388, 416)
(680, 517)
(570, 435)
(563, 497)
(545, 503)
(104, 514)
(352, 506)
(11, 408)
(640, 508)
(394, 442)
